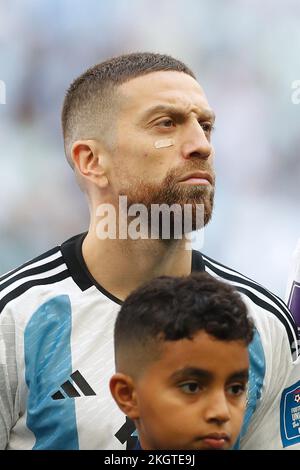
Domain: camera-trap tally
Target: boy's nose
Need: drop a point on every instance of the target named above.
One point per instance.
(217, 408)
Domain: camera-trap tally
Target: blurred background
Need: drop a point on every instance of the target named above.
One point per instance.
(246, 56)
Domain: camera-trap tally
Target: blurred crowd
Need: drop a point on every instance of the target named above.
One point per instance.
(245, 54)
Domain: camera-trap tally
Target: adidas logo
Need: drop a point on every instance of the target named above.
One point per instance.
(127, 433)
(71, 391)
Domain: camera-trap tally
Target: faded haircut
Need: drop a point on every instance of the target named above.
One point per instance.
(91, 101)
(174, 308)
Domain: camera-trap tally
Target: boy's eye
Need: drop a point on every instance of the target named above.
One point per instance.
(237, 389)
(190, 387)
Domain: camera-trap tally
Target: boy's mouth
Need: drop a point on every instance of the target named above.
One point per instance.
(216, 440)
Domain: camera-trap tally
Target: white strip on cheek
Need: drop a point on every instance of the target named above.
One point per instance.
(163, 143)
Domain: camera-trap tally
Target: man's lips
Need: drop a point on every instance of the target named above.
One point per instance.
(197, 177)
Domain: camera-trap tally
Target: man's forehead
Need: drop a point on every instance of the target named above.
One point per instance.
(163, 87)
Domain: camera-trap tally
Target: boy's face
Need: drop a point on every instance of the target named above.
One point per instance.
(194, 395)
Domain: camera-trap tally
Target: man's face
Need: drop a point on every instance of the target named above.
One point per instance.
(194, 395)
(155, 107)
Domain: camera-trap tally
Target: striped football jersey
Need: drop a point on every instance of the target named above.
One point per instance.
(57, 356)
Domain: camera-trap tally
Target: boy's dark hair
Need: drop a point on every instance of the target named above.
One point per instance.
(173, 308)
(90, 99)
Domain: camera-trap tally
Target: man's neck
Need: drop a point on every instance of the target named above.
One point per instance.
(120, 266)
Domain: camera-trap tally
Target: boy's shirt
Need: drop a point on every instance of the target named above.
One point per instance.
(57, 356)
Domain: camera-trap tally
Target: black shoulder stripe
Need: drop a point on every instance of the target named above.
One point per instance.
(237, 277)
(261, 303)
(288, 322)
(247, 282)
(34, 260)
(27, 285)
(242, 278)
(43, 268)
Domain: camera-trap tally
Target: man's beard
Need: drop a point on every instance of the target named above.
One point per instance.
(170, 192)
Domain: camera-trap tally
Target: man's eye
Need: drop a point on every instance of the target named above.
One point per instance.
(206, 126)
(236, 389)
(190, 387)
(166, 123)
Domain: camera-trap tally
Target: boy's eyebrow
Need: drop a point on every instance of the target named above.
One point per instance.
(195, 372)
(204, 113)
(187, 372)
(239, 375)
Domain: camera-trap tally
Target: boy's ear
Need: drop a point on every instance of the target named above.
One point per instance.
(123, 390)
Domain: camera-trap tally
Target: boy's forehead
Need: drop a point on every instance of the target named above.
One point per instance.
(203, 352)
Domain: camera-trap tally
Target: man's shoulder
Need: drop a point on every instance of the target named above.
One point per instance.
(262, 299)
(239, 280)
(47, 269)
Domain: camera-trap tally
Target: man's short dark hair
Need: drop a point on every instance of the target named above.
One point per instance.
(89, 102)
(174, 308)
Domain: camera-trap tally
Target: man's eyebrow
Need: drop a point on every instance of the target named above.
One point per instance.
(175, 110)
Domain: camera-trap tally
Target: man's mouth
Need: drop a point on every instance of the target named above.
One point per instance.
(197, 177)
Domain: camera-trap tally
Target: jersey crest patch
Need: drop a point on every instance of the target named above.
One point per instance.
(290, 415)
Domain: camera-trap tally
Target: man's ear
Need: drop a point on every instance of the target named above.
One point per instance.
(88, 161)
(123, 390)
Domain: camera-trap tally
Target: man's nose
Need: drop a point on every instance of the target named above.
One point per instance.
(195, 142)
(217, 409)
